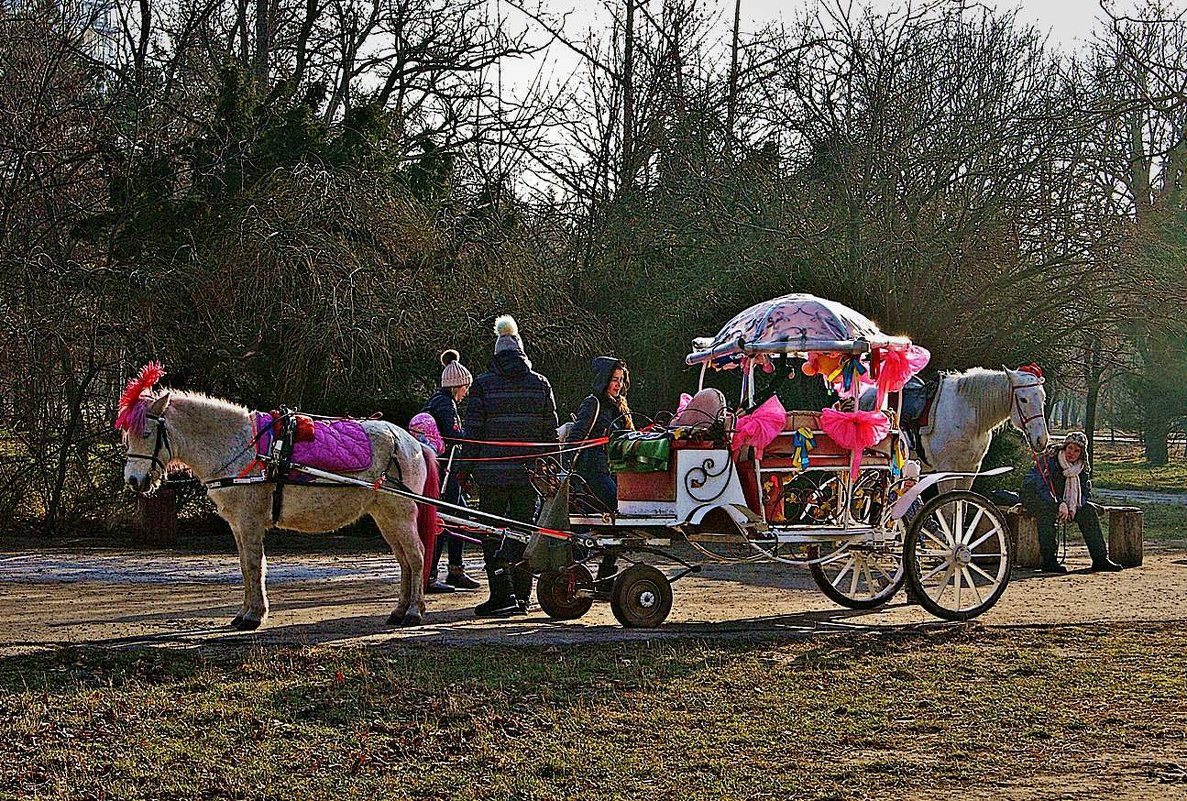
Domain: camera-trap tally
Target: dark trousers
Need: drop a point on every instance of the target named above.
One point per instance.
(603, 487)
(1045, 515)
(451, 494)
(516, 503)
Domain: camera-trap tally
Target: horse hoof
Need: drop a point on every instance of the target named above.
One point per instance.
(412, 619)
(248, 624)
(236, 622)
(395, 619)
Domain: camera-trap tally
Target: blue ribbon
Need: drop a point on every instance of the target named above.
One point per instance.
(802, 441)
(850, 370)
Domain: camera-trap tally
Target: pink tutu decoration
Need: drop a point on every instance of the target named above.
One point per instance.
(760, 427)
(897, 368)
(855, 431)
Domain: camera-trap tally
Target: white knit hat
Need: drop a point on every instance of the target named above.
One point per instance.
(507, 334)
(455, 373)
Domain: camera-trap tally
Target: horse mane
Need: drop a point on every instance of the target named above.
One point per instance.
(209, 402)
(982, 389)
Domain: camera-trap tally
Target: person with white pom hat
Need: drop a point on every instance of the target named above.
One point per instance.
(442, 405)
(510, 402)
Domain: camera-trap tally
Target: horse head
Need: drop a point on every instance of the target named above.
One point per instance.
(142, 421)
(149, 450)
(1028, 404)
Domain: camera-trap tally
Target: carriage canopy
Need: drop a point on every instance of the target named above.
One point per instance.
(794, 323)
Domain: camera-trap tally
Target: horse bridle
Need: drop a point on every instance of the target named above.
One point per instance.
(1018, 403)
(161, 442)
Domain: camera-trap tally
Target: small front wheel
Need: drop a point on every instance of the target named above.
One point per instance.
(557, 592)
(958, 555)
(641, 597)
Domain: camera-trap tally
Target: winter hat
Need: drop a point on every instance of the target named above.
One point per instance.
(455, 373)
(424, 428)
(507, 333)
(1076, 438)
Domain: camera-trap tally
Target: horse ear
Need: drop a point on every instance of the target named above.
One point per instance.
(158, 407)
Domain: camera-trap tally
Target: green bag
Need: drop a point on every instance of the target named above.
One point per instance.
(545, 552)
(639, 451)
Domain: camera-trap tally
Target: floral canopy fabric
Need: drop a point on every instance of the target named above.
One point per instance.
(794, 322)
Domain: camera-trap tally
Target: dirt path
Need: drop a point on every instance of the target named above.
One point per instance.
(1140, 497)
(121, 599)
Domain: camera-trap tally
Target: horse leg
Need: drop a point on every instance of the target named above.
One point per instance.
(397, 523)
(254, 567)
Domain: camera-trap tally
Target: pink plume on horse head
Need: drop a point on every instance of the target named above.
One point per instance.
(132, 405)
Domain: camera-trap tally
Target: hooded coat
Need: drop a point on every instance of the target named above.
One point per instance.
(510, 402)
(598, 416)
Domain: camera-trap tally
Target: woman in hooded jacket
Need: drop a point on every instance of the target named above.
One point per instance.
(603, 413)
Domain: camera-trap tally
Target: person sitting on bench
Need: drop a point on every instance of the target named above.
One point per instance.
(1057, 488)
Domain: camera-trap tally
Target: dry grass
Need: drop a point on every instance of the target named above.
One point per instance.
(860, 716)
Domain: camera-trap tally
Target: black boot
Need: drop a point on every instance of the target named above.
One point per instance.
(521, 579)
(1053, 567)
(1107, 565)
(502, 601)
(608, 567)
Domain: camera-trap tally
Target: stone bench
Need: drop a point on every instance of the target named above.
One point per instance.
(1124, 537)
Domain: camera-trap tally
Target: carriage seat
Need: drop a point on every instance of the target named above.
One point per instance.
(705, 408)
(826, 453)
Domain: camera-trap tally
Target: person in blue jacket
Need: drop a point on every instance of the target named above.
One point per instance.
(602, 413)
(442, 405)
(1058, 488)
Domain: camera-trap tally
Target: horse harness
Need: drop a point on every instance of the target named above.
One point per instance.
(278, 464)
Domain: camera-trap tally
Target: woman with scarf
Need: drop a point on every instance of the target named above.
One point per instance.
(1057, 488)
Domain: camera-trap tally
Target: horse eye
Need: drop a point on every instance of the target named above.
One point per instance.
(1024, 400)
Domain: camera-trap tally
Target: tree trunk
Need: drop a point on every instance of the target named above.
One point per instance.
(1155, 436)
(731, 106)
(1092, 378)
(627, 178)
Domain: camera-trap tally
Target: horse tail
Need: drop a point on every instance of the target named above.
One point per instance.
(428, 521)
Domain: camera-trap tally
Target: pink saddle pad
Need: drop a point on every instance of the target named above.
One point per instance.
(337, 445)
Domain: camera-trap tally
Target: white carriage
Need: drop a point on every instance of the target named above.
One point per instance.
(792, 493)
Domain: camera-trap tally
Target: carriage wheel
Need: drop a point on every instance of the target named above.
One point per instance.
(958, 555)
(557, 592)
(641, 597)
(860, 576)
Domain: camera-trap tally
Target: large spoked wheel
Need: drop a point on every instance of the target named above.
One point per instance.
(863, 575)
(557, 592)
(958, 555)
(641, 597)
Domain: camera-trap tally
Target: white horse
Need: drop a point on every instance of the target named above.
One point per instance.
(214, 438)
(972, 405)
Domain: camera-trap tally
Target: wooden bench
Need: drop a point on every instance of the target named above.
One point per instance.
(1125, 535)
